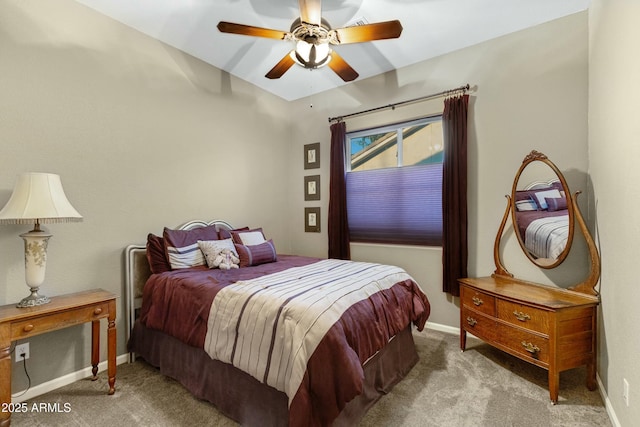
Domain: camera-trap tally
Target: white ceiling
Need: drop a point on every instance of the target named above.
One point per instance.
(431, 28)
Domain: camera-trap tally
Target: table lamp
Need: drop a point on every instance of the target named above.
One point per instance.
(37, 198)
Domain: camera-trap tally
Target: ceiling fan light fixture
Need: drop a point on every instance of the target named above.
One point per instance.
(311, 55)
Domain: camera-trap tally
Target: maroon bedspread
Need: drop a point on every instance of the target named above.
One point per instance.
(178, 303)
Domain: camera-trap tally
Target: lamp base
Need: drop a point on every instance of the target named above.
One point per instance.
(33, 299)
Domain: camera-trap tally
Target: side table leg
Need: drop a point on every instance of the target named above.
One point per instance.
(5, 374)
(95, 348)
(111, 347)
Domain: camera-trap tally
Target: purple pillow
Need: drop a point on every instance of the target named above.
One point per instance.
(226, 234)
(556, 203)
(181, 246)
(156, 255)
(256, 254)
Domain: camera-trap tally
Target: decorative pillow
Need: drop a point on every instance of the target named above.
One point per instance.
(211, 249)
(182, 247)
(156, 255)
(542, 195)
(526, 205)
(226, 234)
(249, 237)
(556, 203)
(256, 254)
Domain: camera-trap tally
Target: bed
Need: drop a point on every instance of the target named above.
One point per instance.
(282, 340)
(542, 219)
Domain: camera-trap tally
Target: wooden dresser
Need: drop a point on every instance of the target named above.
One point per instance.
(550, 327)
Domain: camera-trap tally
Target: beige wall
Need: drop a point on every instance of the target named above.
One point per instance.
(530, 93)
(614, 130)
(142, 135)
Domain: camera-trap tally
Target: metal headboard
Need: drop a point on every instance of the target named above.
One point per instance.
(137, 271)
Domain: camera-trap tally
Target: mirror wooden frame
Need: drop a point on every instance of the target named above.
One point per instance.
(575, 217)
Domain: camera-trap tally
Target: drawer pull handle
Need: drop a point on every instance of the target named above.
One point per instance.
(97, 311)
(28, 328)
(530, 347)
(523, 317)
(471, 321)
(477, 301)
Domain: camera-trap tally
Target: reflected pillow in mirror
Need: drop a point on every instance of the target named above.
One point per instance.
(542, 195)
(526, 205)
(556, 203)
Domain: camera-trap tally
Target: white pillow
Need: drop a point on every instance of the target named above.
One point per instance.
(211, 249)
(251, 238)
(526, 205)
(552, 194)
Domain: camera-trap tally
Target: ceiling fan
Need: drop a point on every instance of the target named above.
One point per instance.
(313, 36)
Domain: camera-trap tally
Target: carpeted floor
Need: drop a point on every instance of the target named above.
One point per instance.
(480, 387)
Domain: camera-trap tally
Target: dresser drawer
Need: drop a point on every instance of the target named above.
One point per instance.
(524, 316)
(526, 344)
(477, 324)
(479, 301)
(51, 322)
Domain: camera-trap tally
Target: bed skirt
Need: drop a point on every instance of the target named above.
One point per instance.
(251, 403)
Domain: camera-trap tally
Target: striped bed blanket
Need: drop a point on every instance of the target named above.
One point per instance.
(547, 237)
(270, 326)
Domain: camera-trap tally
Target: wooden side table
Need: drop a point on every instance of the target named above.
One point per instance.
(63, 311)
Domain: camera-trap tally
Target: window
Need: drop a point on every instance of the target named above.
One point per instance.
(394, 183)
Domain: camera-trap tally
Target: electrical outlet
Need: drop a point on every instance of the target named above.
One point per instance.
(20, 350)
(625, 391)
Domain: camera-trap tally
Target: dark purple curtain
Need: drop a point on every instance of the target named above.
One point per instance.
(338, 226)
(454, 193)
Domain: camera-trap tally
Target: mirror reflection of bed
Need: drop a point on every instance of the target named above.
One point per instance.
(542, 220)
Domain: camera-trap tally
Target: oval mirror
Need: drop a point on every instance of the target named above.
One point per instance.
(542, 211)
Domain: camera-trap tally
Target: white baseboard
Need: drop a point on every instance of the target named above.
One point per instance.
(607, 403)
(55, 383)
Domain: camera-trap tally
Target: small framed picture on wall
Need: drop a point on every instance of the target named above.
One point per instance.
(312, 156)
(312, 220)
(312, 187)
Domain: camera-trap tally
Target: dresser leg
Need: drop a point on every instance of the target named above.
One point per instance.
(591, 376)
(554, 385)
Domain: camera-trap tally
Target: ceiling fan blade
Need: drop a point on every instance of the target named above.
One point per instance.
(369, 32)
(281, 67)
(310, 11)
(248, 30)
(341, 68)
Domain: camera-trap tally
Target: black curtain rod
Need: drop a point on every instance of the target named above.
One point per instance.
(462, 89)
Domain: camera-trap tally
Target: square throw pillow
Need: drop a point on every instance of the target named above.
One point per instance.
(156, 255)
(211, 249)
(226, 234)
(248, 237)
(542, 195)
(182, 247)
(256, 254)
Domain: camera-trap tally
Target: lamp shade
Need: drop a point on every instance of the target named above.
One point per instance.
(38, 197)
